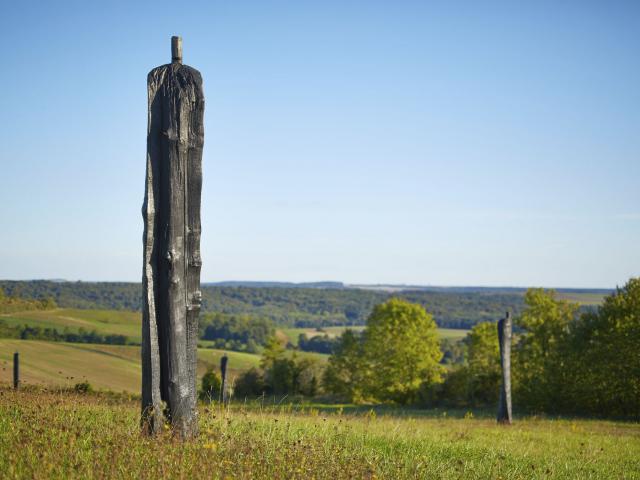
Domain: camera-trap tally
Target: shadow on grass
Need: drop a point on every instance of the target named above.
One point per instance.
(304, 406)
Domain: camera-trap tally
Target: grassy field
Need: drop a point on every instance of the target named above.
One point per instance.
(582, 298)
(106, 322)
(65, 435)
(105, 367)
(128, 323)
(293, 333)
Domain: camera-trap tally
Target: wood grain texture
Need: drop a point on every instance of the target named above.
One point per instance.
(504, 338)
(171, 271)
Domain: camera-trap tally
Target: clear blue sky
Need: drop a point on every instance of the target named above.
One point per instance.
(445, 143)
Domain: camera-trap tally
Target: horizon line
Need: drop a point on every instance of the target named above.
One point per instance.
(406, 286)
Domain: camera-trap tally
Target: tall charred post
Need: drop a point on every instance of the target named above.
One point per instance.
(16, 370)
(504, 338)
(171, 240)
(223, 372)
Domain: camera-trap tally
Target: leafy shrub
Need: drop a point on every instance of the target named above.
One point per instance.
(249, 384)
(211, 386)
(83, 387)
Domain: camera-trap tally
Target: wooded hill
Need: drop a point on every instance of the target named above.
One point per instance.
(299, 306)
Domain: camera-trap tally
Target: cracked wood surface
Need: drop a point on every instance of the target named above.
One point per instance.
(171, 272)
(504, 338)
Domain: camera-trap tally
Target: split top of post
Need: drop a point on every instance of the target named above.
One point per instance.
(176, 50)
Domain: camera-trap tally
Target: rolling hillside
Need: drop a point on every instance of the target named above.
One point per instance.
(286, 307)
(293, 333)
(120, 322)
(304, 305)
(105, 367)
(128, 323)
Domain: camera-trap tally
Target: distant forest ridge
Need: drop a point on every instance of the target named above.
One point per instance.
(400, 287)
(317, 304)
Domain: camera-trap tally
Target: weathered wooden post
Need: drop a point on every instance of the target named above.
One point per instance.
(223, 372)
(504, 338)
(16, 370)
(171, 269)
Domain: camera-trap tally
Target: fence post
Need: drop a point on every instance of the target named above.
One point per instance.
(16, 370)
(504, 338)
(223, 371)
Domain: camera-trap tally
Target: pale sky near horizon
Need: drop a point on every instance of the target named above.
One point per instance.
(441, 143)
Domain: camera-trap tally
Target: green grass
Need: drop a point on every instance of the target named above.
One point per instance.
(105, 367)
(63, 435)
(120, 322)
(293, 333)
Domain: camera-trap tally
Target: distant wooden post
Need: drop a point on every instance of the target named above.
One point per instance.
(171, 269)
(223, 371)
(16, 370)
(504, 338)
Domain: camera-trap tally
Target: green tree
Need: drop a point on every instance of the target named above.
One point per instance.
(484, 372)
(48, 303)
(252, 346)
(343, 374)
(249, 384)
(278, 369)
(273, 350)
(286, 373)
(541, 370)
(453, 392)
(605, 347)
(281, 376)
(401, 352)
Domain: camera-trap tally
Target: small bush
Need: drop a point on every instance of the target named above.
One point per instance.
(83, 387)
(249, 384)
(211, 386)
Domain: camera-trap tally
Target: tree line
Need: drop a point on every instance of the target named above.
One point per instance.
(284, 306)
(242, 333)
(564, 361)
(317, 343)
(26, 332)
(14, 303)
